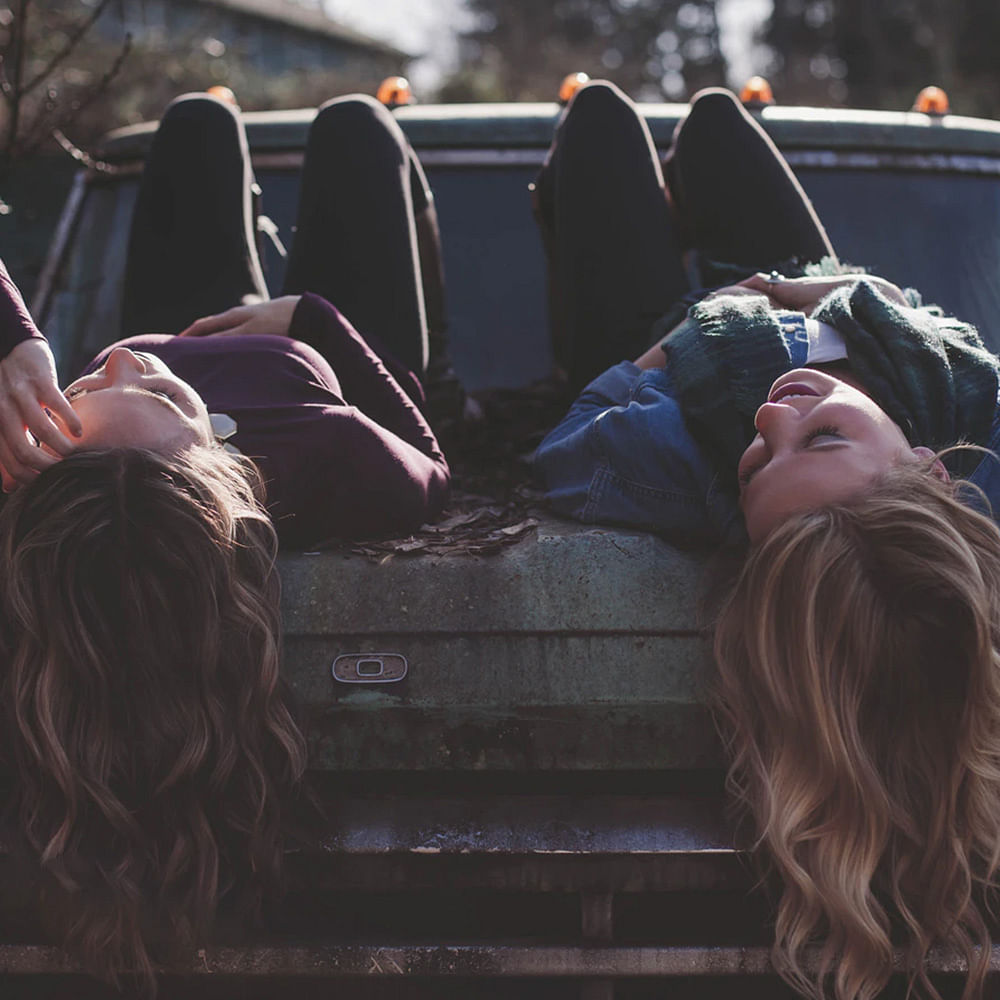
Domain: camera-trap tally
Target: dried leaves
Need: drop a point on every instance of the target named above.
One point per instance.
(493, 503)
(477, 527)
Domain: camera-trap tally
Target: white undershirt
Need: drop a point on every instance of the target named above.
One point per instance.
(825, 343)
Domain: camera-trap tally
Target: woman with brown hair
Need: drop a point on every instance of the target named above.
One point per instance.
(152, 750)
(810, 423)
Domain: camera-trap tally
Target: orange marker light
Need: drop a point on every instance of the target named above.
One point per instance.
(932, 101)
(394, 91)
(572, 82)
(223, 94)
(757, 91)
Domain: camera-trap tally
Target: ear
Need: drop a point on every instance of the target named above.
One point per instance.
(937, 469)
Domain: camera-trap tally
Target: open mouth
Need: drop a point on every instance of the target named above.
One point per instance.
(791, 389)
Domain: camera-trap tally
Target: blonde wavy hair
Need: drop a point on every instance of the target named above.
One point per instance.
(858, 687)
(152, 749)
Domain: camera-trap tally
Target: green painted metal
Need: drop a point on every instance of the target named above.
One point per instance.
(530, 126)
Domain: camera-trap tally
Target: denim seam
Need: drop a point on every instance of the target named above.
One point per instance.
(604, 478)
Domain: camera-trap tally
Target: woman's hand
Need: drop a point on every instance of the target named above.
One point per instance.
(30, 398)
(744, 289)
(273, 317)
(804, 294)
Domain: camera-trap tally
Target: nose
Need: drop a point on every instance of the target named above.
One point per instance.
(772, 419)
(123, 366)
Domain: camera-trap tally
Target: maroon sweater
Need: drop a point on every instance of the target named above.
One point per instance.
(343, 450)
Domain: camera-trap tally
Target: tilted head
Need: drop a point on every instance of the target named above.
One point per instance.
(859, 686)
(820, 440)
(146, 721)
(134, 400)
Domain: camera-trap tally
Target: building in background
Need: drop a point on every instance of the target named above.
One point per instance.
(278, 36)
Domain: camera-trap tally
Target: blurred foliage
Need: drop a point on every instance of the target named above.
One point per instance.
(868, 54)
(520, 50)
(858, 53)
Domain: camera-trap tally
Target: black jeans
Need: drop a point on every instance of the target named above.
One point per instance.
(615, 245)
(364, 200)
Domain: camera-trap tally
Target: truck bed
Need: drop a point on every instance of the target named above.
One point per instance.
(523, 785)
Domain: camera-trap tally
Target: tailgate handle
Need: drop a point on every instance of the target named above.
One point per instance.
(369, 668)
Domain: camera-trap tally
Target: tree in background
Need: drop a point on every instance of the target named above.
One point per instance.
(59, 57)
(47, 81)
(654, 49)
(70, 72)
(879, 55)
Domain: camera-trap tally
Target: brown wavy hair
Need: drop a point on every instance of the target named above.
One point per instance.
(152, 747)
(859, 689)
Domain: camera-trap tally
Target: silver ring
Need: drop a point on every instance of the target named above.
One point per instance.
(774, 277)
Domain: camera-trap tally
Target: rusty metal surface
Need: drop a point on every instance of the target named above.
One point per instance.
(576, 649)
(407, 872)
(511, 738)
(529, 824)
(623, 582)
(445, 961)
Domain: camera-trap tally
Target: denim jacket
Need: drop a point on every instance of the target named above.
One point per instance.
(624, 456)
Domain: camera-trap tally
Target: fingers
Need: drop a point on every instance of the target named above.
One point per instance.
(220, 323)
(52, 398)
(20, 459)
(8, 482)
(46, 431)
(758, 282)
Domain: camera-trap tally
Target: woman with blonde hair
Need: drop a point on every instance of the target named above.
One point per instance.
(858, 684)
(809, 423)
(151, 745)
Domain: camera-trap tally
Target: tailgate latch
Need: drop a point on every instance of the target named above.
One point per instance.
(369, 668)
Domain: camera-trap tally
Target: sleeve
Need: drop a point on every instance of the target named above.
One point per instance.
(16, 323)
(364, 380)
(623, 455)
(333, 472)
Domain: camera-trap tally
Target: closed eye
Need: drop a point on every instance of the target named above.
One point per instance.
(172, 396)
(821, 432)
(816, 434)
(82, 390)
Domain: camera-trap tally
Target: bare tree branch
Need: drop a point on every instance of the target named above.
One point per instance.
(81, 155)
(44, 126)
(18, 41)
(72, 42)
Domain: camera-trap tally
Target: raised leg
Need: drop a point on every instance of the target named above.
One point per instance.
(736, 198)
(192, 250)
(614, 261)
(356, 242)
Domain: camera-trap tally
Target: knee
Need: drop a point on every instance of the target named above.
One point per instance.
(598, 100)
(715, 103)
(359, 120)
(201, 110)
(599, 114)
(197, 128)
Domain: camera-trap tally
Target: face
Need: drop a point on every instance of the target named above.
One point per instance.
(819, 440)
(135, 400)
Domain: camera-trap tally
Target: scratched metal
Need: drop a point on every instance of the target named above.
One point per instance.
(445, 961)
